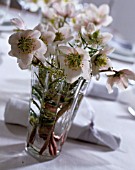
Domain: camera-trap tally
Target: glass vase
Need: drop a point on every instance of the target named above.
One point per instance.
(53, 106)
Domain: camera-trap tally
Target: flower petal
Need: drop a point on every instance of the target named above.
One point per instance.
(65, 50)
(129, 74)
(40, 57)
(48, 36)
(91, 28)
(109, 84)
(106, 37)
(71, 75)
(22, 65)
(123, 83)
(32, 33)
(70, 10)
(107, 50)
(65, 31)
(104, 10)
(18, 22)
(106, 21)
(51, 28)
(39, 27)
(26, 59)
(14, 38)
(43, 47)
(93, 8)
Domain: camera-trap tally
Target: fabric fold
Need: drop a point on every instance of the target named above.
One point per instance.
(99, 90)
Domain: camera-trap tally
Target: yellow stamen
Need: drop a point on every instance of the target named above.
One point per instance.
(101, 61)
(59, 36)
(26, 45)
(74, 61)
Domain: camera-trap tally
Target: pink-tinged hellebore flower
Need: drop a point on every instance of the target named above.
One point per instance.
(120, 78)
(65, 9)
(47, 37)
(95, 37)
(25, 45)
(79, 21)
(49, 13)
(74, 62)
(99, 16)
(89, 29)
(62, 35)
(100, 61)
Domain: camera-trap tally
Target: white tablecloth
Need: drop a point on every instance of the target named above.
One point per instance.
(75, 155)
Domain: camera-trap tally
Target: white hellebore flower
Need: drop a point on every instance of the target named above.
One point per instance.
(99, 16)
(100, 61)
(89, 29)
(25, 45)
(47, 37)
(95, 37)
(49, 13)
(79, 21)
(120, 78)
(62, 35)
(74, 62)
(65, 9)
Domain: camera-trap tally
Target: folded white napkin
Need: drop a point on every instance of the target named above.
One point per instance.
(16, 111)
(99, 90)
(82, 128)
(122, 46)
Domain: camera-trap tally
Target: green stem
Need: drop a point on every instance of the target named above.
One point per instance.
(60, 113)
(46, 141)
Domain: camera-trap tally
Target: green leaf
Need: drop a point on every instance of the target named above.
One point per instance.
(37, 93)
(41, 83)
(32, 113)
(34, 102)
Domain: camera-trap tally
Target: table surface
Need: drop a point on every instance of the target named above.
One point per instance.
(75, 155)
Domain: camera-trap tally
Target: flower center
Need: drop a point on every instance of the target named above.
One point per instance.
(74, 61)
(95, 38)
(96, 22)
(46, 1)
(35, 1)
(59, 36)
(101, 61)
(25, 45)
(44, 40)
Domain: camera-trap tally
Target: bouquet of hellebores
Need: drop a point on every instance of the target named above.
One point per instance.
(67, 48)
(71, 35)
